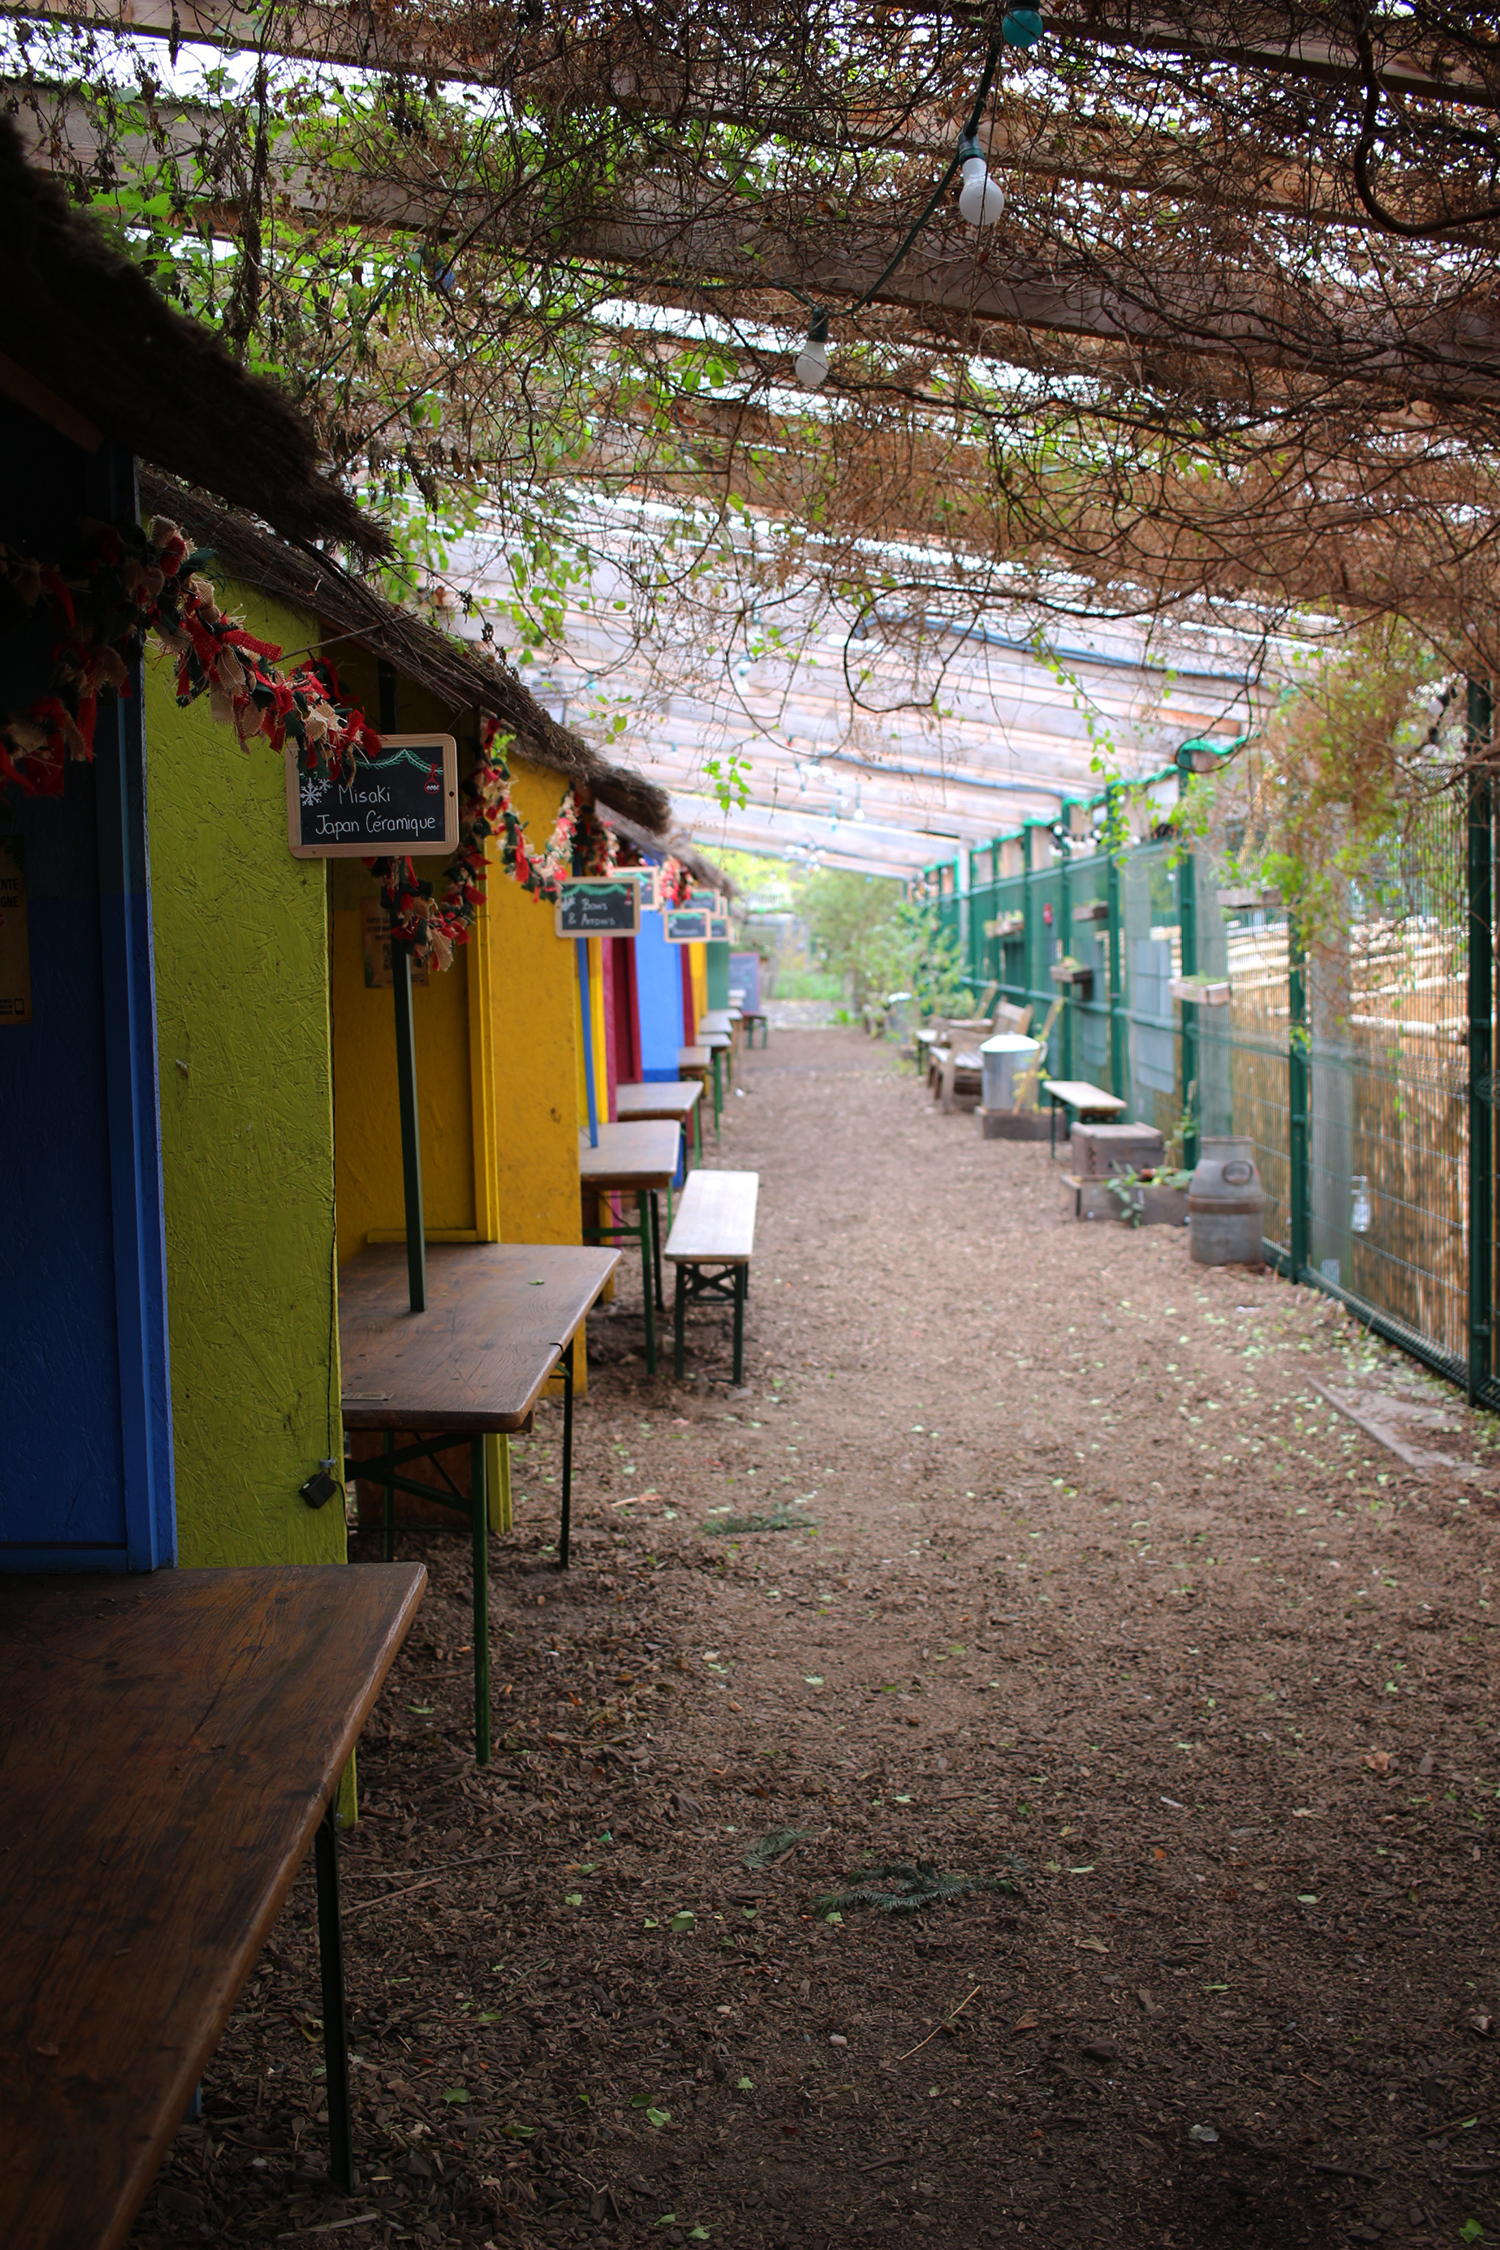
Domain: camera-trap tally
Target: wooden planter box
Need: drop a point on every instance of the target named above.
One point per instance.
(1153, 1206)
(1215, 995)
(1080, 982)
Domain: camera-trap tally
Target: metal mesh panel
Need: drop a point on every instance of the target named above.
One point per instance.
(1385, 1192)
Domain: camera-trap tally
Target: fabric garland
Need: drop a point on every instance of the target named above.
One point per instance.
(137, 583)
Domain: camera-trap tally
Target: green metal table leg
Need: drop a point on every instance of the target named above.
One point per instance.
(648, 1276)
(565, 1528)
(679, 1322)
(480, 1501)
(739, 1327)
(335, 2016)
(698, 1130)
(388, 1504)
(661, 1302)
(718, 1089)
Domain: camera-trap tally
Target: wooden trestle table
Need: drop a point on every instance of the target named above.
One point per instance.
(679, 1099)
(639, 1160)
(171, 1744)
(499, 1317)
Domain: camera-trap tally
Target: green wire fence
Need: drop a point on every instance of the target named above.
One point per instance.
(1362, 1074)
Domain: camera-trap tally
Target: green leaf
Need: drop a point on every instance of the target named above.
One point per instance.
(456, 2094)
(574, 1898)
(697, 2234)
(422, 1710)
(488, 2015)
(745, 2085)
(514, 2132)
(658, 2117)
(683, 1921)
(1471, 2231)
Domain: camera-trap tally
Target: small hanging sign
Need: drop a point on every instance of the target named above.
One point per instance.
(718, 929)
(403, 802)
(687, 925)
(599, 906)
(15, 949)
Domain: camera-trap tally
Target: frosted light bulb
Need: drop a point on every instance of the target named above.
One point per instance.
(812, 361)
(981, 200)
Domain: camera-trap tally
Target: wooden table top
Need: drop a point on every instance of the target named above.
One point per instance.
(712, 1039)
(668, 1098)
(640, 1155)
(1079, 1094)
(717, 1019)
(693, 1058)
(168, 1746)
(498, 1316)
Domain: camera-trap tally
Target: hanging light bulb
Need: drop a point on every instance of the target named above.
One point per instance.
(1021, 27)
(980, 200)
(812, 360)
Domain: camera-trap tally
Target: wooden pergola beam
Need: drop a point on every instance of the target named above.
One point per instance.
(1275, 41)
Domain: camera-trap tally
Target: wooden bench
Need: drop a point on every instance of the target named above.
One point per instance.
(714, 1228)
(1081, 1101)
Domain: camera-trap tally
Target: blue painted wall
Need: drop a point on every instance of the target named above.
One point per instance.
(658, 974)
(86, 1470)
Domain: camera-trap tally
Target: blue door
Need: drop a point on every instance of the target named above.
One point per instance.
(85, 1418)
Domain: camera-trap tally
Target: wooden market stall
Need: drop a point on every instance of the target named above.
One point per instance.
(171, 1754)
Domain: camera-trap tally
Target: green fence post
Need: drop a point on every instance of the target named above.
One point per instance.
(1028, 923)
(1118, 1048)
(1481, 1051)
(1187, 928)
(1065, 913)
(1297, 1080)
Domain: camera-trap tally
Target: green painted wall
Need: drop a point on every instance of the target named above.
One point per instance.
(716, 959)
(242, 986)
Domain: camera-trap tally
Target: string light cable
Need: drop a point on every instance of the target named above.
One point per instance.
(981, 199)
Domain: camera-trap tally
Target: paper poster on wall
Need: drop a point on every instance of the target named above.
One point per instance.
(686, 925)
(599, 906)
(378, 970)
(15, 947)
(404, 801)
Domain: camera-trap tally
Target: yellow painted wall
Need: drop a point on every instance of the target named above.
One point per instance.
(698, 964)
(534, 1036)
(371, 1196)
(597, 1031)
(364, 1048)
(240, 936)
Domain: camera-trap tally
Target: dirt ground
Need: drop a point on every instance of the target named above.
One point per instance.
(1070, 1578)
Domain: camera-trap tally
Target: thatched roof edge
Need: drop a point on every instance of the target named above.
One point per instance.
(698, 864)
(85, 322)
(457, 673)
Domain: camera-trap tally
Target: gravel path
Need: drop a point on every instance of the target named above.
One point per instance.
(1067, 1578)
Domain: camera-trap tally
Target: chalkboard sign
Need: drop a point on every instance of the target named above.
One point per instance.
(405, 800)
(718, 929)
(599, 906)
(687, 925)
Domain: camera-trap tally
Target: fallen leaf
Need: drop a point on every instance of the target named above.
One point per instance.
(1028, 2022)
(658, 2117)
(1091, 1945)
(1379, 1761)
(456, 2094)
(1202, 2133)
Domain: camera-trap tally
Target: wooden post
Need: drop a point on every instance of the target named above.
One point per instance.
(411, 1145)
